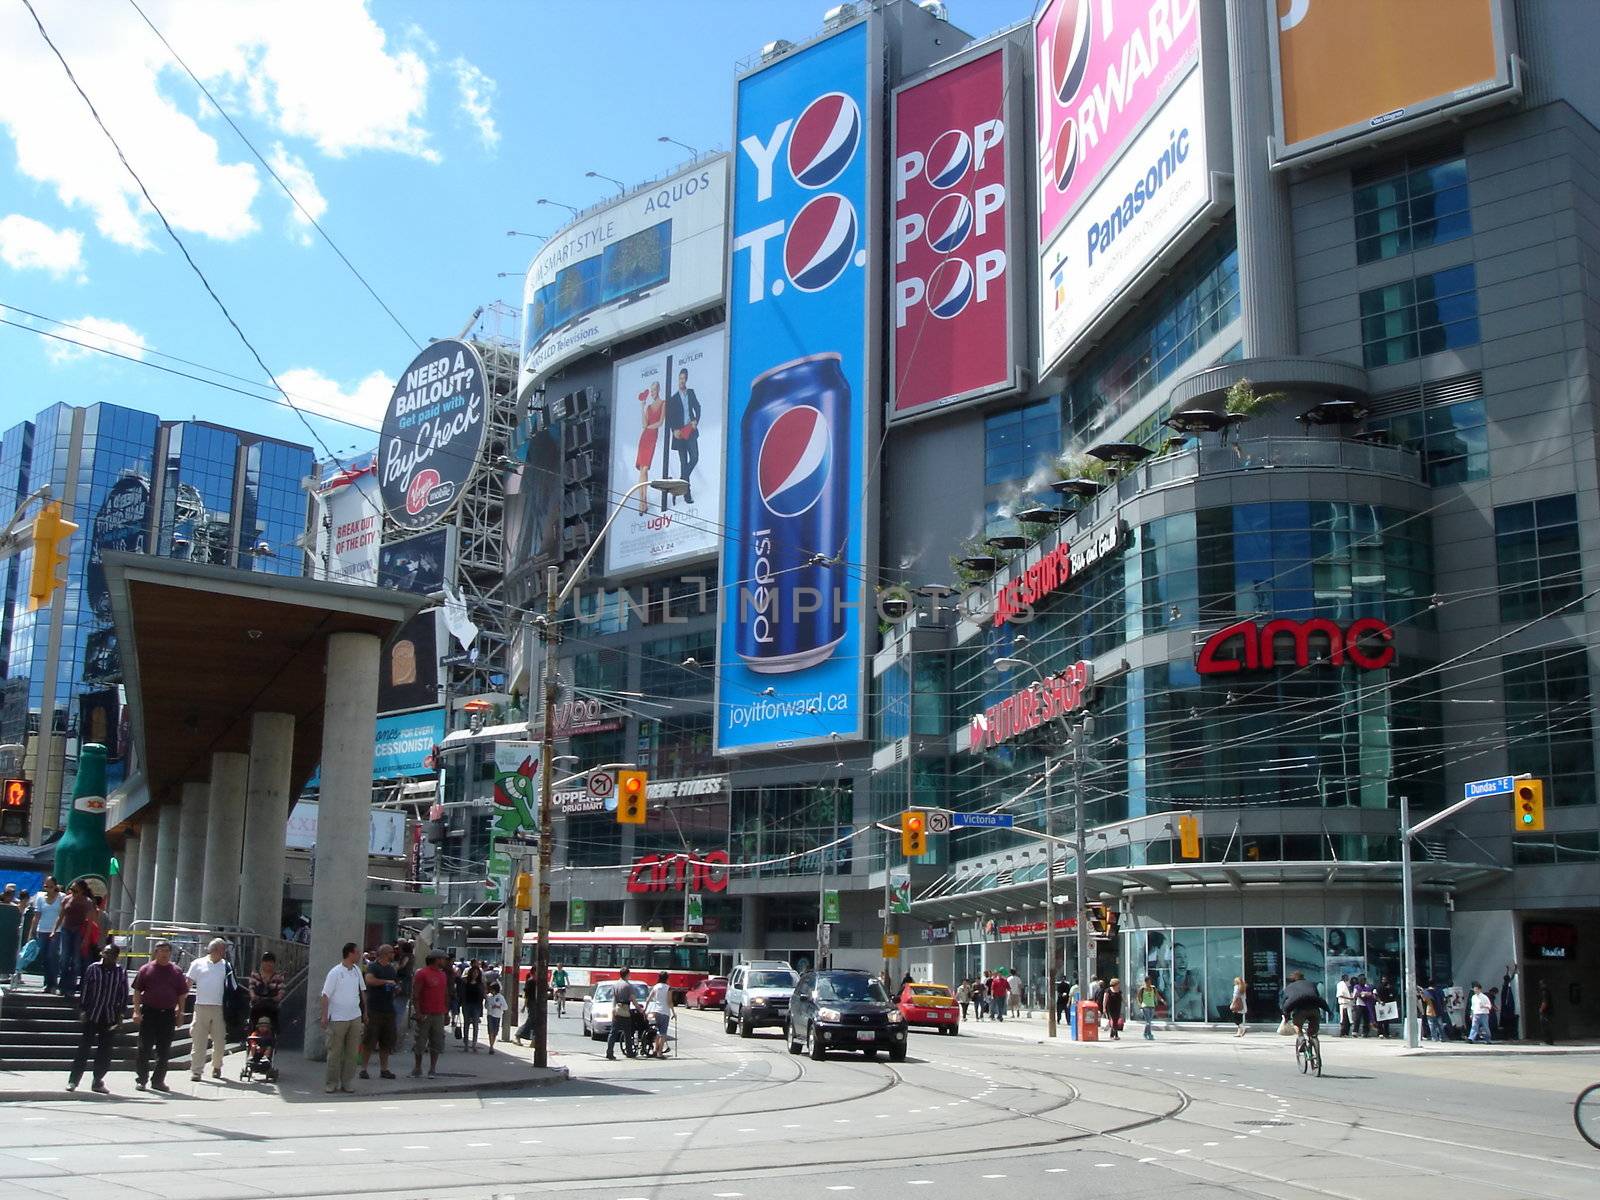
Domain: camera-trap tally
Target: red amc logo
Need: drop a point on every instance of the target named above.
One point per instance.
(1245, 646)
(664, 873)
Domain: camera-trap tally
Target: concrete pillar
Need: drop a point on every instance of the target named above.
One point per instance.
(219, 890)
(1261, 198)
(144, 888)
(191, 853)
(165, 890)
(344, 814)
(127, 878)
(266, 819)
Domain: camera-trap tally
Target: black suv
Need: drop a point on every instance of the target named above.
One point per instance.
(844, 1010)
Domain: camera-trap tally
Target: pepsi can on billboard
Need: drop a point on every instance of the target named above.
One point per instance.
(795, 515)
(803, 301)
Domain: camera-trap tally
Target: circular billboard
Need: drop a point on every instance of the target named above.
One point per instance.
(432, 434)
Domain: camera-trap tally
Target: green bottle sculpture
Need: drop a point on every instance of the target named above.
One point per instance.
(83, 852)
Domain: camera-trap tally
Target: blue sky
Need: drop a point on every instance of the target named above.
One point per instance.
(418, 133)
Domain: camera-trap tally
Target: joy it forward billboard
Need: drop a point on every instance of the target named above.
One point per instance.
(951, 277)
(801, 347)
(669, 407)
(1350, 70)
(432, 433)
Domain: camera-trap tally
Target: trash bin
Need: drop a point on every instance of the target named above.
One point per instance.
(1088, 1021)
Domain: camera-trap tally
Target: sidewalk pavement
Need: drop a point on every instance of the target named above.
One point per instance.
(1263, 1036)
(509, 1068)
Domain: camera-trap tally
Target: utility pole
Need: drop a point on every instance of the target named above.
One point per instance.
(1050, 895)
(1408, 992)
(1082, 732)
(547, 749)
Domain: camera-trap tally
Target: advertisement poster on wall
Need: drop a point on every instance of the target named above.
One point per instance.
(516, 778)
(386, 831)
(669, 406)
(802, 340)
(419, 564)
(652, 255)
(122, 522)
(1351, 70)
(351, 511)
(432, 432)
(952, 287)
(1101, 72)
(408, 670)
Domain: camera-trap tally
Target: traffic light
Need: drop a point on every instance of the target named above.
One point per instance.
(16, 805)
(1189, 837)
(523, 893)
(50, 556)
(913, 833)
(632, 797)
(1527, 809)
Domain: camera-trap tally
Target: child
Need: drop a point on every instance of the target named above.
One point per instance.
(259, 1046)
(494, 1008)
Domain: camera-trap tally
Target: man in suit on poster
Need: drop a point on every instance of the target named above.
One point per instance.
(683, 430)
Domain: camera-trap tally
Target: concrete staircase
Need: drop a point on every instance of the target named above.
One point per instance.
(39, 1032)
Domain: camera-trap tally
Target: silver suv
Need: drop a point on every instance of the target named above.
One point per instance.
(758, 995)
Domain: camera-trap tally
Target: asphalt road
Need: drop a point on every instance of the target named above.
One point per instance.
(976, 1114)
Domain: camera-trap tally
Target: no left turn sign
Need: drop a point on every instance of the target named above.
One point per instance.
(601, 784)
(938, 821)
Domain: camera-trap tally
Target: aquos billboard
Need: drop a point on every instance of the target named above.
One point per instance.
(668, 404)
(432, 432)
(1124, 161)
(1348, 71)
(802, 344)
(952, 284)
(655, 254)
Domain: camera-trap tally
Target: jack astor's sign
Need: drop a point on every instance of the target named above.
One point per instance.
(665, 873)
(1032, 707)
(1245, 646)
(1055, 569)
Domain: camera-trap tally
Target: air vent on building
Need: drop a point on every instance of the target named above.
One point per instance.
(1003, 879)
(1440, 391)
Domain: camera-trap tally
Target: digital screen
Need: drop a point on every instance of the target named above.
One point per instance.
(637, 262)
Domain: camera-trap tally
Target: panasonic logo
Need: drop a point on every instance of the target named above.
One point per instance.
(1103, 233)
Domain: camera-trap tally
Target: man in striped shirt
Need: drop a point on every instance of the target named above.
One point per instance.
(101, 1001)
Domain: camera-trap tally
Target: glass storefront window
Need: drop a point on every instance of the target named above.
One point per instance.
(1263, 973)
(1303, 952)
(1188, 995)
(1224, 962)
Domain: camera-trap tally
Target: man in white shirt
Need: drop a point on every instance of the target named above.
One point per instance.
(343, 1015)
(1482, 1009)
(210, 976)
(1019, 994)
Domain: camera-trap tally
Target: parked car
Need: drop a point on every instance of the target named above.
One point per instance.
(758, 996)
(931, 1005)
(597, 1007)
(844, 1010)
(712, 993)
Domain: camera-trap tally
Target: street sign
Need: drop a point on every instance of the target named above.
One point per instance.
(891, 945)
(830, 907)
(695, 909)
(1503, 786)
(601, 784)
(981, 820)
(938, 821)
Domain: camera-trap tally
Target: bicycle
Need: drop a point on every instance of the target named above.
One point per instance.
(560, 995)
(1586, 1114)
(1308, 1052)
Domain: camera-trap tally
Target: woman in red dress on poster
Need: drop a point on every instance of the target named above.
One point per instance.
(655, 413)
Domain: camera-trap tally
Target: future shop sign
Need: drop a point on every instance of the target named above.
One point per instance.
(432, 434)
(952, 296)
(1030, 708)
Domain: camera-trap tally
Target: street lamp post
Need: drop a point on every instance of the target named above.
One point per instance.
(550, 635)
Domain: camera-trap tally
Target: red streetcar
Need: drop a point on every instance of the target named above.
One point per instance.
(595, 955)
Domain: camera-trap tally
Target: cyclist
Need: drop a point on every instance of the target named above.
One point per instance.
(558, 985)
(1303, 1004)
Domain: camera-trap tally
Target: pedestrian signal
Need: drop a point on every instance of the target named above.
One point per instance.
(16, 805)
(1527, 810)
(632, 797)
(913, 834)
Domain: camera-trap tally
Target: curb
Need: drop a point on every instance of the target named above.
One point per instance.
(556, 1076)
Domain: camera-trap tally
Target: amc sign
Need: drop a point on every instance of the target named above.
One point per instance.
(655, 873)
(1245, 646)
(1032, 707)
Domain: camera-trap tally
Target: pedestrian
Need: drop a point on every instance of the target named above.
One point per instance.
(11, 914)
(343, 1002)
(659, 1010)
(964, 996)
(158, 992)
(1111, 1008)
(999, 994)
(100, 1008)
(980, 996)
(211, 976)
(1386, 995)
(1507, 1022)
(1482, 1009)
(77, 911)
(1344, 994)
(266, 991)
(1366, 1001)
(1097, 988)
(404, 968)
(1149, 997)
(43, 916)
(430, 1005)
(1439, 1021)
(530, 1001)
(621, 1016)
(470, 992)
(1238, 1004)
(1063, 999)
(1547, 1015)
(382, 980)
(1018, 993)
(494, 1011)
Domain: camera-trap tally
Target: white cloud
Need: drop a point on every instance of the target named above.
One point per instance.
(315, 393)
(26, 244)
(294, 172)
(477, 99)
(320, 70)
(95, 331)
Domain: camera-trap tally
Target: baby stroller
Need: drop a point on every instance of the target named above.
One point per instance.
(258, 1053)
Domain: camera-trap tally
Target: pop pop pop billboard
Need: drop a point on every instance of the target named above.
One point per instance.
(801, 296)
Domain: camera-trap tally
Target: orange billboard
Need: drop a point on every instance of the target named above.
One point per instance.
(1347, 68)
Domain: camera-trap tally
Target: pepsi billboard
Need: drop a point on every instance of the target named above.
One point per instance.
(951, 289)
(802, 341)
